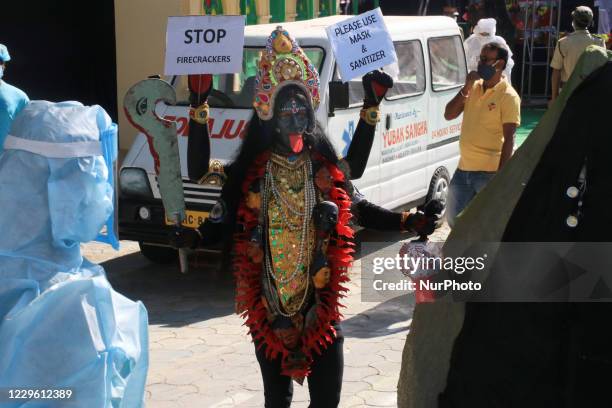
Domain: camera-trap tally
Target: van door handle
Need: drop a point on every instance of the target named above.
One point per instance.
(388, 121)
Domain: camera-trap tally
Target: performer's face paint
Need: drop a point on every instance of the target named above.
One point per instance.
(292, 120)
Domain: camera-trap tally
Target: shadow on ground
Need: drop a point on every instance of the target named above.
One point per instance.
(389, 317)
(176, 300)
(370, 241)
(173, 299)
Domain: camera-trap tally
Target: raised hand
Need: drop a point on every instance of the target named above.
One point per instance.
(199, 87)
(375, 86)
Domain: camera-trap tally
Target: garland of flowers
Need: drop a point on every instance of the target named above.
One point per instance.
(249, 295)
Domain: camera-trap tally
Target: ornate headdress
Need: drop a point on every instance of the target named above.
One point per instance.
(283, 63)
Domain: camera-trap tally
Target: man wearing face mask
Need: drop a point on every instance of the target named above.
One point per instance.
(12, 99)
(571, 47)
(491, 113)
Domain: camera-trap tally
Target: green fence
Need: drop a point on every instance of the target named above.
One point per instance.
(305, 9)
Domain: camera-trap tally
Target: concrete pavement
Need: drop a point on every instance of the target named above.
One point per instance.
(201, 355)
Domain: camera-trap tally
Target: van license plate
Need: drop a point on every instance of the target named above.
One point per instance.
(193, 219)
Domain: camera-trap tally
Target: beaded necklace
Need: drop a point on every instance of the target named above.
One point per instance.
(250, 283)
(301, 173)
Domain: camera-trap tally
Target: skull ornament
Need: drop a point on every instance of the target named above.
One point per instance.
(325, 216)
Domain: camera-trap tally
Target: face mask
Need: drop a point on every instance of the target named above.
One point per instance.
(486, 72)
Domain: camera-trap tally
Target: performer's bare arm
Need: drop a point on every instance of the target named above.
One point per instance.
(372, 216)
(198, 142)
(198, 157)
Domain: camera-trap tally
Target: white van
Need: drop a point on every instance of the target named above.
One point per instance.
(415, 149)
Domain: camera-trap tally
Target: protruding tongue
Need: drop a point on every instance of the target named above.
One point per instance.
(296, 142)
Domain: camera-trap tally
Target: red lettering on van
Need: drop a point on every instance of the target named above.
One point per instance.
(226, 132)
(226, 129)
(240, 128)
(455, 128)
(221, 132)
(182, 126)
(230, 135)
(405, 133)
(227, 125)
(446, 131)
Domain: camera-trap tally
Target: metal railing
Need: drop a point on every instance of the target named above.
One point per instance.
(532, 58)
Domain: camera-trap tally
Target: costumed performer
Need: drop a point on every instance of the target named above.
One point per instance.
(284, 213)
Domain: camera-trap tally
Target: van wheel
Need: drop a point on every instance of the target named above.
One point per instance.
(438, 190)
(158, 254)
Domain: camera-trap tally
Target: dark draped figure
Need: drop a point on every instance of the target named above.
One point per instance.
(537, 334)
(548, 354)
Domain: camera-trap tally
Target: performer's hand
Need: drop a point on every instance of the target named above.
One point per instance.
(433, 207)
(421, 224)
(375, 86)
(199, 86)
(184, 238)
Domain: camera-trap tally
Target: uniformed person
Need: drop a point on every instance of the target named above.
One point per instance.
(570, 48)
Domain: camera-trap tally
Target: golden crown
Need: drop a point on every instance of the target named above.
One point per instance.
(283, 63)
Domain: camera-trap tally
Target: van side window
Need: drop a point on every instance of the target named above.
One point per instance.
(410, 72)
(447, 59)
(411, 76)
(355, 88)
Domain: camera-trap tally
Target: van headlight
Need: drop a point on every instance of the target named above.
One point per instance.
(135, 183)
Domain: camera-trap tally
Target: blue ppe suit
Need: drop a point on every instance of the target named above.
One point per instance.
(61, 323)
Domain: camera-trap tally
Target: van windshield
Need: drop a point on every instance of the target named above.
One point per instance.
(237, 90)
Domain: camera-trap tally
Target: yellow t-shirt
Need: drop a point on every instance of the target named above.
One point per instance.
(569, 49)
(482, 135)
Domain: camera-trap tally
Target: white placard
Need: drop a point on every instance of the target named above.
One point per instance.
(204, 45)
(361, 44)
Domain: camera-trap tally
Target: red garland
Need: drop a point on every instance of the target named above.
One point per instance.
(248, 275)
